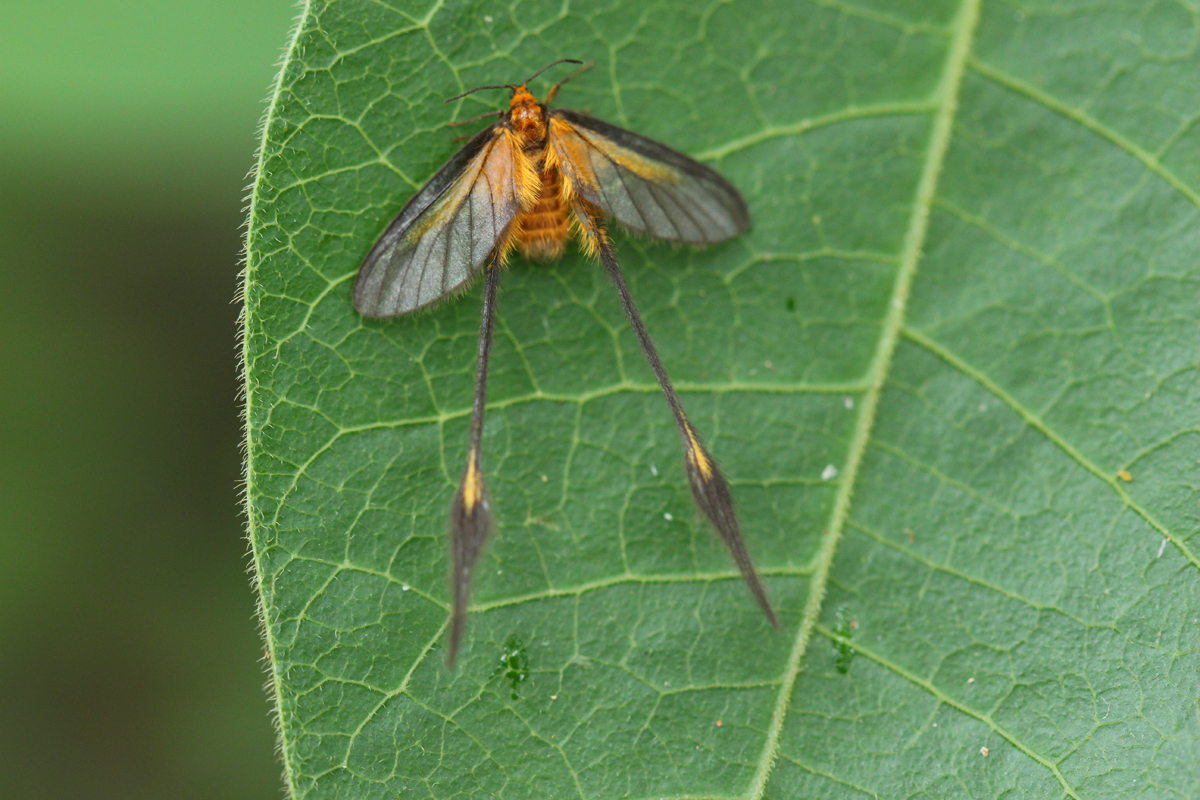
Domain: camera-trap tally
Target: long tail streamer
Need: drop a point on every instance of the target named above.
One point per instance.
(709, 487)
(471, 514)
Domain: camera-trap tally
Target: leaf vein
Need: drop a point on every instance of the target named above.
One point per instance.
(1095, 126)
(1037, 423)
(946, 699)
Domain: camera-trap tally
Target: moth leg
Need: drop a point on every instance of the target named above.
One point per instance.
(709, 487)
(471, 512)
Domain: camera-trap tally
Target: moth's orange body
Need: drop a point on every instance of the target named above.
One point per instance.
(539, 231)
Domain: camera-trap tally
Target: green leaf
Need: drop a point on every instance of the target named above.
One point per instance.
(964, 318)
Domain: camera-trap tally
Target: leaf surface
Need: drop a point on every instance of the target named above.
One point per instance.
(951, 373)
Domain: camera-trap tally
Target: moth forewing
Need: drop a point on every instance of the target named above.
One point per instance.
(643, 184)
(450, 227)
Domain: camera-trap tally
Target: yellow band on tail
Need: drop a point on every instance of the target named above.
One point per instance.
(696, 453)
(472, 487)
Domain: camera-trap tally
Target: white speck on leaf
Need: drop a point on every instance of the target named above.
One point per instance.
(667, 516)
(1162, 547)
(829, 473)
(848, 402)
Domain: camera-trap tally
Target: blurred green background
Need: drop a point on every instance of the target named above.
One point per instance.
(130, 661)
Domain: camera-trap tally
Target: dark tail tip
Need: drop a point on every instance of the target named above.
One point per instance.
(458, 623)
(470, 523)
(712, 495)
(766, 606)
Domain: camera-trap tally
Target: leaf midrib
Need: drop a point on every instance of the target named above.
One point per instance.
(957, 56)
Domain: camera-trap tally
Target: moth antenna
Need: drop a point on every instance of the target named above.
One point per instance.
(480, 89)
(551, 64)
(514, 87)
(471, 512)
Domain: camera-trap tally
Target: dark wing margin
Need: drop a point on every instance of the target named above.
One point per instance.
(644, 185)
(445, 233)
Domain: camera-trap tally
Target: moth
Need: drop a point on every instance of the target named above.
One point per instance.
(527, 182)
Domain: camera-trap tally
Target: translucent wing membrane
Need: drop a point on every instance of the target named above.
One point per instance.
(644, 185)
(448, 229)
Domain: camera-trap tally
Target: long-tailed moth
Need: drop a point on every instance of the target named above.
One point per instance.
(526, 183)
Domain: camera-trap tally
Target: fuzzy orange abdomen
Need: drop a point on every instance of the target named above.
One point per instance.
(542, 229)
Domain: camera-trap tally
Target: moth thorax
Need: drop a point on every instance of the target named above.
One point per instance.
(526, 116)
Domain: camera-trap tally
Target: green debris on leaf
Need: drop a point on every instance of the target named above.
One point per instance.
(843, 651)
(514, 664)
(970, 289)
